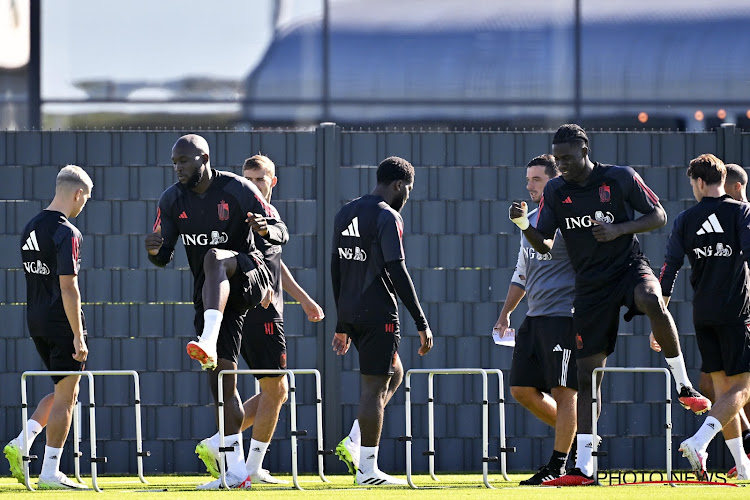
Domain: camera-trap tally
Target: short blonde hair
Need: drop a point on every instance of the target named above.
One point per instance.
(261, 162)
(72, 178)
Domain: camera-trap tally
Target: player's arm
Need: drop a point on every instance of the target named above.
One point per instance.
(405, 290)
(673, 260)
(312, 309)
(744, 231)
(516, 292)
(642, 199)
(68, 246)
(161, 241)
(71, 299)
(341, 340)
(518, 213)
(272, 229)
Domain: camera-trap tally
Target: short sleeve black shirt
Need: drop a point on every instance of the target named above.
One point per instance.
(50, 248)
(611, 194)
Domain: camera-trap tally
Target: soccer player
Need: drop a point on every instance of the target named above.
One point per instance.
(735, 186)
(263, 343)
(715, 236)
(214, 213)
(367, 272)
(543, 375)
(51, 252)
(593, 206)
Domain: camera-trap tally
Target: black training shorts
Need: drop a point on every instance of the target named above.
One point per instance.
(264, 346)
(544, 355)
(596, 318)
(724, 347)
(57, 354)
(377, 345)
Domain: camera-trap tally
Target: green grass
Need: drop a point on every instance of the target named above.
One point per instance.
(456, 487)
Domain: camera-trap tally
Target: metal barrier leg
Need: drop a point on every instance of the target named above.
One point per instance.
(485, 419)
(504, 450)
(293, 418)
(668, 413)
(76, 422)
(431, 426)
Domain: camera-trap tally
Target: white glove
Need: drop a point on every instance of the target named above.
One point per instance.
(523, 221)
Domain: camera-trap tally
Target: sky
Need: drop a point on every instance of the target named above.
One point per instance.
(154, 39)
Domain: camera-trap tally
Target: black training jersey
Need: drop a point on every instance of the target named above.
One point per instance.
(367, 233)
(715, 236)
(611, 195)
(50, 248)
(272, 256)
(214, 219)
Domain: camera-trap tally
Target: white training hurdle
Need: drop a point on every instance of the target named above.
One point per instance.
(431, 417)
(668, 412)
(293, 418)
(89, 374)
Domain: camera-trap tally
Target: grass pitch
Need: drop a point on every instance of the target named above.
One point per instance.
(457, 486)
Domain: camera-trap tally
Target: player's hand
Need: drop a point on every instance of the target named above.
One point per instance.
(425, 338)
(653, 343)
(604, 232)
(518, 214)
(502, 324)
(81, 350)
(267, 298)
(258, 223)
(154, 241)
(341, 343)
(313, 310)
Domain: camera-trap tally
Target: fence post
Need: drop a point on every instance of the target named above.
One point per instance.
(328, 162)
(729, 143)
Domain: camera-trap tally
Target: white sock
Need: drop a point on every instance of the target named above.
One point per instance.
(585, 460)
(368, 459)
(51, 464)
(737, 450)
(211, 326)
(255, 456)
(710, 428)
(33, 428)
(235, 459)
(354, 434)
(679, 372)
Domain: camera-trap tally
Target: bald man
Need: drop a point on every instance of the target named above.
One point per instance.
(214, 213)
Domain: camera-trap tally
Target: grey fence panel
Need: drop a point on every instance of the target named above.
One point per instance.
(461, 249)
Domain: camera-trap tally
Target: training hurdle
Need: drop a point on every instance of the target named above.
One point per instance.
(76, 423)
(430, 453)
(668, 412)
(292, 418)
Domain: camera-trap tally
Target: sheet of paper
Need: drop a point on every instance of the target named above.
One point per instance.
(508, 340)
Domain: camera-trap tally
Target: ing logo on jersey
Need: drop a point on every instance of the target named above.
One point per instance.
(349, 254)
(37, 267)
(721, 250)
(530, 253)
(215, 238)
(585, 220)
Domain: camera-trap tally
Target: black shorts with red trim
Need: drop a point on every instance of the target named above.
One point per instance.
(377, 345)
(596, 318)
(264, 346)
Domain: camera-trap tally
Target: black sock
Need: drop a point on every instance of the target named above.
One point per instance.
(557, 461)
(574, 451)
(746, 440)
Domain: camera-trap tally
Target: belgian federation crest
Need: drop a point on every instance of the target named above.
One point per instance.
(223, 208)
(605, 195)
